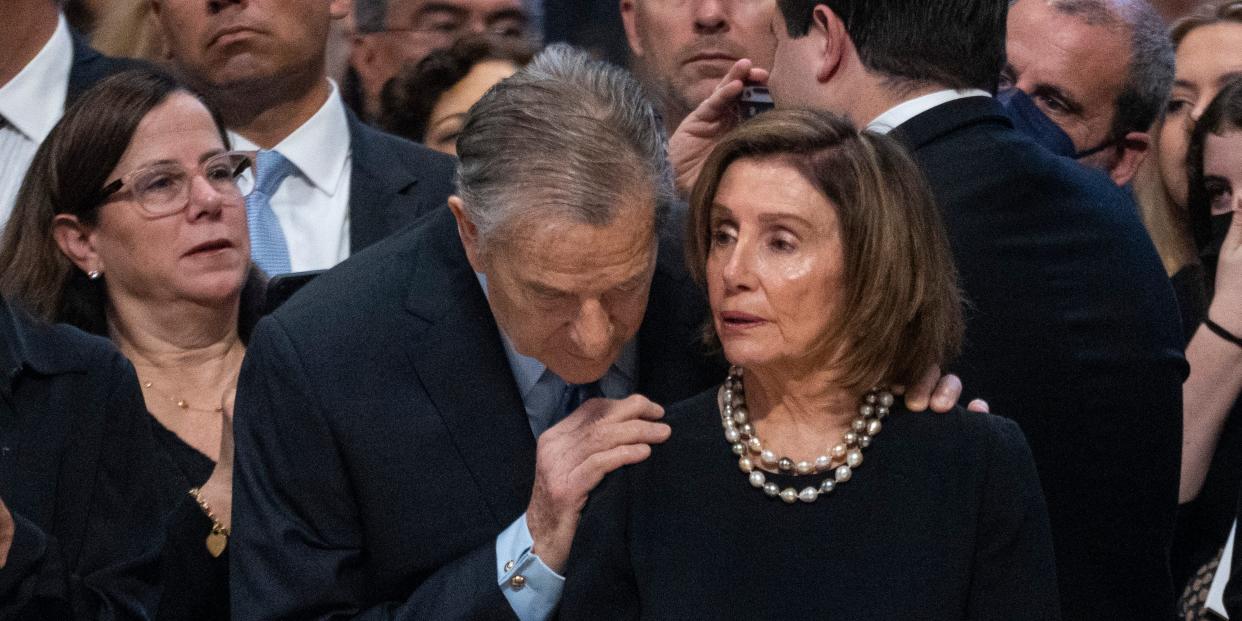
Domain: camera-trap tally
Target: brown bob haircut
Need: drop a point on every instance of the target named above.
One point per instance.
(67, 176)
(901, 307)
(1207, 14)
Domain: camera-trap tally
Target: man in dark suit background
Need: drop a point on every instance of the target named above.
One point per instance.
(331, 185)
(1072, 327)
(44, 66)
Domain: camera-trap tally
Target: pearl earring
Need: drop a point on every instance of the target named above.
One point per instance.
(94, 274)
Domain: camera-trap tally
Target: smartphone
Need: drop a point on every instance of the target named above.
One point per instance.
(755, 100)
(281, 288)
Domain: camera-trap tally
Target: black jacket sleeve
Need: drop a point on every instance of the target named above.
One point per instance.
(297, 545)
(110, 568)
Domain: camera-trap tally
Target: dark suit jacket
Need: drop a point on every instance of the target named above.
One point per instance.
(393, 182)
(1072, 331)
(79, 470)
(89, 67)
(382, 443)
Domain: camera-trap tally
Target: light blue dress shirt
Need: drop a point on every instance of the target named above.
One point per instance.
(535, 595)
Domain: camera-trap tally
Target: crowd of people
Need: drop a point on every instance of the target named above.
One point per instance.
(396, 309)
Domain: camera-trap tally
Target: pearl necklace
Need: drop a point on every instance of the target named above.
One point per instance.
(842, 459)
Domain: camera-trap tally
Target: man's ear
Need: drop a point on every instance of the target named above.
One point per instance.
(1133, 150)
(77, 241)
(468, 232)
(833, 42)
(629, 18)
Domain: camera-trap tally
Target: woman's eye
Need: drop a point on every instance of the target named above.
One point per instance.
(219, 172)
(721, 237)
(1176, 105)
(781, 244)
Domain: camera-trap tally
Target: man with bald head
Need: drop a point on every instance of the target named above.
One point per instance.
(682, 49)
(1100, 70)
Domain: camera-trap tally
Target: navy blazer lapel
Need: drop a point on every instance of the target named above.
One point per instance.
(379, 187)
(462, 366)
(949, 117)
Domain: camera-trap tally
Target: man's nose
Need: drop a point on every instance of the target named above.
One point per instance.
(709, 17)
(592, 329)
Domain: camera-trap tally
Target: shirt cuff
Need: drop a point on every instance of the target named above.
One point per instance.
(532, 589)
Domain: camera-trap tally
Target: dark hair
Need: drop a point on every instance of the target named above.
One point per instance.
(901, 312)
(1207, 14)
(949, 43)
(408, 99)
(66, 177)
(1223, 115)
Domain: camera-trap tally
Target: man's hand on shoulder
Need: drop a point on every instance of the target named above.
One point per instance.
(572, 458)
(698, 134)
(939, 392)
(8, 529)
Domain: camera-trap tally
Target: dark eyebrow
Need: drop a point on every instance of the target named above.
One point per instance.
(1050, 90)
(514, 14)
(1227, 77)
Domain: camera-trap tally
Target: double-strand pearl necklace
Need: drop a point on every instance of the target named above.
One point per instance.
(841, 459)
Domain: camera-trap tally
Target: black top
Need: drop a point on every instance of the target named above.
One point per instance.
(1073, 332)
(943, 520)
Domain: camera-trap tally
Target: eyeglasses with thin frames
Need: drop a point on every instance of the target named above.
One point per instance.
(163, 189)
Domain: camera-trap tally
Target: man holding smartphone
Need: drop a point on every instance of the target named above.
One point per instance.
(682, 49)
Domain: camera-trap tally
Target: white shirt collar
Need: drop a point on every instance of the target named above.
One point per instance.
(319, 148)
(905, 111)
(34, 100)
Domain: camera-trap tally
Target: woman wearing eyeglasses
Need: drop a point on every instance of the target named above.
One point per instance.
(131, 224)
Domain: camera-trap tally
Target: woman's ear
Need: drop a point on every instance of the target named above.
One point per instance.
(77, 241)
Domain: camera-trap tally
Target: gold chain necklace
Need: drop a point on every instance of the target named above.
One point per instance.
(182, 403)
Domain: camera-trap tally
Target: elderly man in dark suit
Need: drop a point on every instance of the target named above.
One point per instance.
(44, 66)
(412, 436)
(1072, 328)
(328, 185)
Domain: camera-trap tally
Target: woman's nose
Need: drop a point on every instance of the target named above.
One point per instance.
(205, 200)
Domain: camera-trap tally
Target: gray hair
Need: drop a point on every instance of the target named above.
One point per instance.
(1149, 75)
(567, 136)
(370, 15)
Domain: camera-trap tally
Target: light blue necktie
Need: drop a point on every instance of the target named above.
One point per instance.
(268, 247)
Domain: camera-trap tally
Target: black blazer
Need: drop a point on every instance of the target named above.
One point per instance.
(80, 472)
(89, 67)
(393, 182)
(382, 443)
(1073, 332)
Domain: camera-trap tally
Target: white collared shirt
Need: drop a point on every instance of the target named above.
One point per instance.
(905, 111)
(312, 204)
(32, 102)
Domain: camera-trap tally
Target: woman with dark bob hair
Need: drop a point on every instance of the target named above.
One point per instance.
(830, 279)
(131, 224)
(428, 102)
